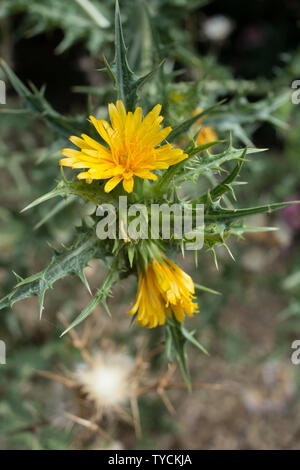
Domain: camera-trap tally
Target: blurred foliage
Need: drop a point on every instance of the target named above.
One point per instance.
(92, 21)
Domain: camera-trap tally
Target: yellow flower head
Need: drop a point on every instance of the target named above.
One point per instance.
(207, 134)
(131, 149)
(163, 289)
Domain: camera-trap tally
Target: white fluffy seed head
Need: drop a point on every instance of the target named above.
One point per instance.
(107, 381)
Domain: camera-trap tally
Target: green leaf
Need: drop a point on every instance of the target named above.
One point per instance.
(35, 103)
(163, 183)
(175, 345)
(71, 261)
(131, 253)
(228, 215)
(184, 126)
(241, 229)
(92, 192)
(224, 186)
(190, 337)
(101, 295)
(60, 190)
(212, 162)
(126, 82)
(240, 112)
(192, 167)
(124, 77)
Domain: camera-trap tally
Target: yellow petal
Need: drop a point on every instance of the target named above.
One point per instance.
(67, 161)
(112, 183)
(146, 174)
(84, 175)
(128, 184)
(94, 144)
(78, 142)
(71, 153)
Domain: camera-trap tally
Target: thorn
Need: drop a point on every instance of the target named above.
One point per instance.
(83, 278)
(212, 250)
(182, 248)
(41, 310)
(228, 251)
(196, 258)
(104, 304)
(19, 278)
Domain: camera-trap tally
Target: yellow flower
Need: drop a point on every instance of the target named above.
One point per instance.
(207, 133)
(175, 97)
(163, 289)
(131, 149)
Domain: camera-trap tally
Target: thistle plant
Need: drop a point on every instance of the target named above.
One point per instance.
(133, 155)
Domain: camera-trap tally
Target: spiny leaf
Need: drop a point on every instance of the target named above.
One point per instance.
(192, 167)
(176, 343)
(20, 88)
(224, 186)
(36, 104)
(228, 215)
(184, 126)
(163, 183)
(190, 337)
(240, 230)
(71, 261)
(101, 295)
(207, 162)
(60, 190)
(126, 82)
(124, 77)
(92, 192)
(240, 111)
